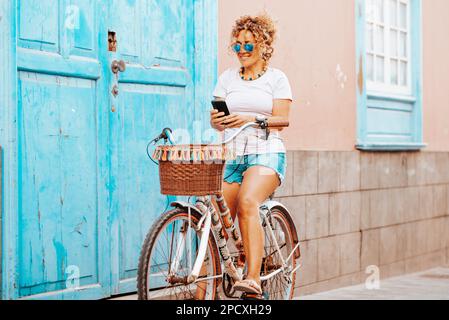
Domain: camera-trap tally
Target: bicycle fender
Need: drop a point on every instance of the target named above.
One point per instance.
(270, 204)
(185, 205)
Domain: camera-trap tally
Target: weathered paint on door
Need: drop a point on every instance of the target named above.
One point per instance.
(86, 192)
(62, 120)
(155, 39)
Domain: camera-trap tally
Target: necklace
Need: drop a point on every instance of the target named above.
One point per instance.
(242, 74)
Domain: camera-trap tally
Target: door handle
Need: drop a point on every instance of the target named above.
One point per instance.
(118, 66)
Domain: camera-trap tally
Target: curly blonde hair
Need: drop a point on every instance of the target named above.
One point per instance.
(263, 29)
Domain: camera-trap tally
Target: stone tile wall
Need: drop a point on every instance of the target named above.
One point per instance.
(358, 209)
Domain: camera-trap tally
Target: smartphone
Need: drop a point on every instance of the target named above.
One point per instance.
(221, 106)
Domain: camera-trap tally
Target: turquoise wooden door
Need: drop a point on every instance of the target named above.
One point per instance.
(86, 192)
(63, 163)
(155, 38)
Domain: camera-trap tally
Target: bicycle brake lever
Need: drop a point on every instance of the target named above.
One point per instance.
(163, 135)
(263, 123)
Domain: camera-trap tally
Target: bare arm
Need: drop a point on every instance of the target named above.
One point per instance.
(281, 111)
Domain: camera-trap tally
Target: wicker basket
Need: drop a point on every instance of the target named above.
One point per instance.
(191, 170)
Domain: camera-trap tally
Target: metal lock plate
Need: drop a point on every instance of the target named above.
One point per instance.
(115, 91)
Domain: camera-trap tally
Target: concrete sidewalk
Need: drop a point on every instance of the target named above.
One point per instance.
(432, 284)
(427, 285)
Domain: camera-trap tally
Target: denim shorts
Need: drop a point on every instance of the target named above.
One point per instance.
(236, 168)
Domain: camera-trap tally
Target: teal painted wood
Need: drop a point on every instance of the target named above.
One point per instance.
(361, 70)
(103, 155)
(386, 121)
(206, 46)
(156, 91)
(78, 188)
(417, 69)
(63, 209)
(8, 140)
(57, 65)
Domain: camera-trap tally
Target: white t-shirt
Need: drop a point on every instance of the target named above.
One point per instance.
(253, 98)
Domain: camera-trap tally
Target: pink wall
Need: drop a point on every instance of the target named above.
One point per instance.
(436, 74)
(316, 49)
(310, 53)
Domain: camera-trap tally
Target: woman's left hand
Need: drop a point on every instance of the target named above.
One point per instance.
(237, 120)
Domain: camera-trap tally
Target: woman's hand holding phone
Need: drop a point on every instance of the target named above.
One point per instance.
(216, 120)
(237, 120)
(220, 122)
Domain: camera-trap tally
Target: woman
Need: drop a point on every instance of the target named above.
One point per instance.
(251, 90)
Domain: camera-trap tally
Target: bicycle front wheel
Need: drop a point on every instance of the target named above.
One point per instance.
(167, 258)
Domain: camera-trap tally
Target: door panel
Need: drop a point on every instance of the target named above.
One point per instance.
(140, 203)
(59, 208)
(155, 91)
(39, 25)
(151, 32)
(87, 191)
(81, 15)
(168, 42)
(62, 213)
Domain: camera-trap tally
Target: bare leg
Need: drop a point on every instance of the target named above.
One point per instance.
(230, 193)
(258, 184)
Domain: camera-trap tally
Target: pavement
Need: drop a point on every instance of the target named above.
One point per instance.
(432, 284)
(428, 285)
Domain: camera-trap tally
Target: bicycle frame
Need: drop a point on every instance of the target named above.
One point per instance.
(211, 220)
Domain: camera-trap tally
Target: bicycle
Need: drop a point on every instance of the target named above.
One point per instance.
(182, 259)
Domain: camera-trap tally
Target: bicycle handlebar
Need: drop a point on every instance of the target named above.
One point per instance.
(245, 126)
(278, 123)
(260, 122)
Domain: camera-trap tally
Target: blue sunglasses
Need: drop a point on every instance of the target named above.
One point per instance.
(249, 47)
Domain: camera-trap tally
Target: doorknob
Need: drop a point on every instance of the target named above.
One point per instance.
(118, 66)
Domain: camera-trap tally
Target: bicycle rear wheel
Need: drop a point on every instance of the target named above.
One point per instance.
(167, 257)
(281, 286)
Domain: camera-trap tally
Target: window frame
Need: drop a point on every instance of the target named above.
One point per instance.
(387, 86)
(375, 98)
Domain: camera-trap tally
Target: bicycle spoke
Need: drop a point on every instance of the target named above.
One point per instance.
(177, 245)
(171, 251)
(275, 251)
(277, 286)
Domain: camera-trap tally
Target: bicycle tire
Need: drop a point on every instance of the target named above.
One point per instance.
(152, 236)
(277, 212)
